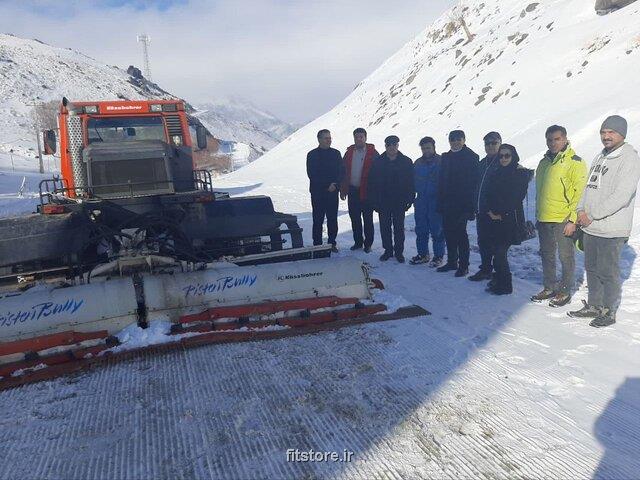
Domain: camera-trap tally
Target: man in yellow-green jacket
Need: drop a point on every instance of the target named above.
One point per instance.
(560, 180)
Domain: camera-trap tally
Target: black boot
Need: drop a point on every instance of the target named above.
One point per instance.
(462, 272)
(447, 267)
(480, 275)
(386, 256)
(492, 284)
(504, 285)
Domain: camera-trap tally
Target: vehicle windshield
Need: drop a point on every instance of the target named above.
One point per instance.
(125, 129)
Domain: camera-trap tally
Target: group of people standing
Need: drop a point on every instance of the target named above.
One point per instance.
(449, 190)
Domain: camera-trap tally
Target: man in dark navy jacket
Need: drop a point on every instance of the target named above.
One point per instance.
(391, 193)
(456, 195)
(324, 169)
(487, 166)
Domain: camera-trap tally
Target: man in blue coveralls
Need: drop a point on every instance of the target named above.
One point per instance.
(426, 171)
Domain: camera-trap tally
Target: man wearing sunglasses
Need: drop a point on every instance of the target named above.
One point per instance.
(560, 180)
(488, 165)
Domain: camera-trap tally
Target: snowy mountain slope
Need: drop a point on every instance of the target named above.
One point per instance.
(244, 112)
(238, 121)
(530, 65)
(32, 71)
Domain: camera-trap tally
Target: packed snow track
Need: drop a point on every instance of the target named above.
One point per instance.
(446, 396)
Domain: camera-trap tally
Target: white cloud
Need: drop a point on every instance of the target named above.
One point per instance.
(295, 58)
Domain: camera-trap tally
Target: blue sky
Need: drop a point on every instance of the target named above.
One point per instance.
(296, 59)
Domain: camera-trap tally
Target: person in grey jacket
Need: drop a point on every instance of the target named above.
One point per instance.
(605, 214)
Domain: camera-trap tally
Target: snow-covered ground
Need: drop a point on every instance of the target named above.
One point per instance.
(485, 387)
(19, 182)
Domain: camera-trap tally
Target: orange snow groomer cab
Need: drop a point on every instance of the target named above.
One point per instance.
(117, 123)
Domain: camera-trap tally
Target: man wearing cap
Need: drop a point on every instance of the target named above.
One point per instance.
(324, 169)
(605, 214)
(358, 160)
(456, 194)
(488, 165)
(560, 179)
(391, 193)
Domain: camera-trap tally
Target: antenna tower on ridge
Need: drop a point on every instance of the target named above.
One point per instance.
(145, 40)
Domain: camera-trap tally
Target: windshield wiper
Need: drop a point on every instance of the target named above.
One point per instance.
(95, 128)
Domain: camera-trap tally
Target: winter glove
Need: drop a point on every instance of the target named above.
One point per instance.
(471, 216)
(407, 207)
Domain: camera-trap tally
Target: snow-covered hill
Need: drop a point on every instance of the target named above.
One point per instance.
(34, 72)
(530, 65)
(238, 121)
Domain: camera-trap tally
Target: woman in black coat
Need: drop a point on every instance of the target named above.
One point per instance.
(506, 189)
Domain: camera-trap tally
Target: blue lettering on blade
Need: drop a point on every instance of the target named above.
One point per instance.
(40, 310)
(220, 285)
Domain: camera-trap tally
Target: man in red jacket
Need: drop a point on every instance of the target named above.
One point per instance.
(357, 164)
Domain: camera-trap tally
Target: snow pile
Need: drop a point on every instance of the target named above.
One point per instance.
(391, 300)
(158, 332)
(133, 336)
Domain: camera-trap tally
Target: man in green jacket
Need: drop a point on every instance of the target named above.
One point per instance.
(560, 180)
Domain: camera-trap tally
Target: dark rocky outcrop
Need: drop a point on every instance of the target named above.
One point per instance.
(607, 6)
(134, 72)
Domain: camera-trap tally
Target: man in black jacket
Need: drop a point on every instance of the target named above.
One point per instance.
(488, 166)
(324, 169)
(458, 185)
(391, 192)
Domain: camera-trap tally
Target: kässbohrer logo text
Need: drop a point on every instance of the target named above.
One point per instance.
(295, 276)
(123, 107)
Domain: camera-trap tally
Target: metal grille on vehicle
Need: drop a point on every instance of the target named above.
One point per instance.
(173, 125)
(74, 127)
